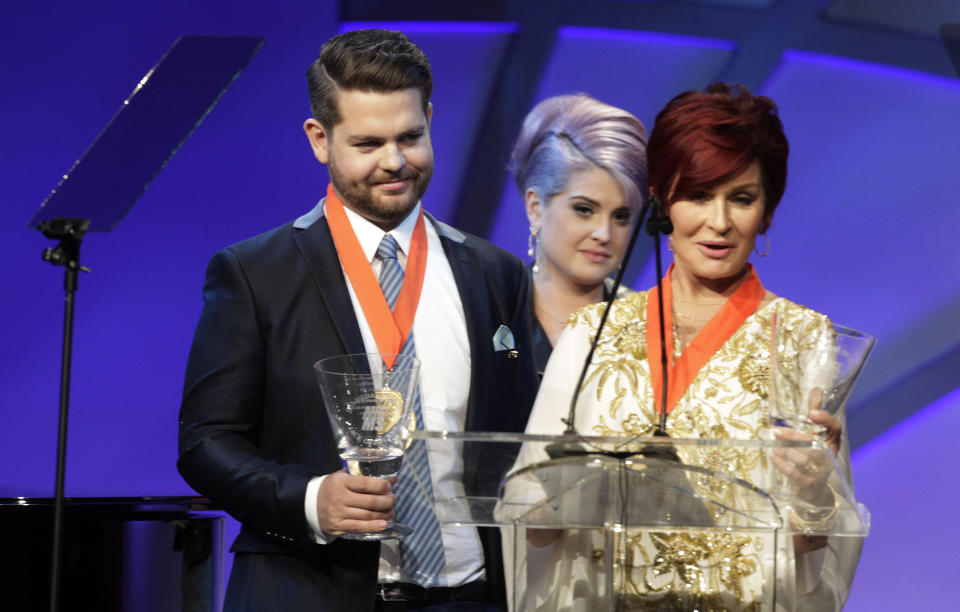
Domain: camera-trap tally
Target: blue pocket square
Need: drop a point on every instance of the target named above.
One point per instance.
(503, 339)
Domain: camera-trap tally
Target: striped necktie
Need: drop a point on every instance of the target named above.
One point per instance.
(421, 552)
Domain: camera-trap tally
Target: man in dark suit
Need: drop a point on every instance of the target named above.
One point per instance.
(254, 436)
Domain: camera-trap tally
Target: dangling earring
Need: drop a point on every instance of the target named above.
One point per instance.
(533, 248)
(670, 243)
(765, 252)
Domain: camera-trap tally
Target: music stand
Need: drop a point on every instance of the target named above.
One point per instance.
(163, 110)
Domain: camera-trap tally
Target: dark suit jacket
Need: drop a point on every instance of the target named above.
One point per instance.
(253, 429)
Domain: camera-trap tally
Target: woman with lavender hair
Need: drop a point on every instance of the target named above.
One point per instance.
(581, 168)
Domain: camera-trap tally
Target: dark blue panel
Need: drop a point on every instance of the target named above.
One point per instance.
(904, 15)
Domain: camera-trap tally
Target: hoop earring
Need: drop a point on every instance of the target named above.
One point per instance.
(767, 251)
(533, 248)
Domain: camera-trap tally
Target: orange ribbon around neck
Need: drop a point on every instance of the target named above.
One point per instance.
(390, 329)
(681, 371)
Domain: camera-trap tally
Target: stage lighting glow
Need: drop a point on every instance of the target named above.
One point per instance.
(656, 38)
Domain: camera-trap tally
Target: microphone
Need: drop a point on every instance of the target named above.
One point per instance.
(658, 222)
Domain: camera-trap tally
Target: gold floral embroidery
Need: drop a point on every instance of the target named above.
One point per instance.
(754, 374)
(686, 571)
(726, 399)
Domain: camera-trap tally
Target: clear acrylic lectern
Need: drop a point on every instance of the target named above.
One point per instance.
(648, 523)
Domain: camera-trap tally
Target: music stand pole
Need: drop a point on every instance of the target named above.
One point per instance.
(67, 254)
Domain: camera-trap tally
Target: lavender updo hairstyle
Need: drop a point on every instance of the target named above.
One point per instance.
(563, 135)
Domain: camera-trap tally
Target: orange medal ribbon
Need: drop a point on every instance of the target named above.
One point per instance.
(707, 342)
(390, 329)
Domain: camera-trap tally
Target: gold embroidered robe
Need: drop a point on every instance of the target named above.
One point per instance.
(727, 399)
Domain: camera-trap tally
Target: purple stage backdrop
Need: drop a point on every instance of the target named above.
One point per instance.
(865, 232)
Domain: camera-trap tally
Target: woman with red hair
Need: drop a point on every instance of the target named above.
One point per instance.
(717, 166)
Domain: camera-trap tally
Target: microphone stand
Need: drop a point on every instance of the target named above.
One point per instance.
(617, 281)
(655, 224)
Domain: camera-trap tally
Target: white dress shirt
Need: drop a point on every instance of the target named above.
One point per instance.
(440, 334)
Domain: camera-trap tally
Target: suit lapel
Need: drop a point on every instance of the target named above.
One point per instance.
(316, 246)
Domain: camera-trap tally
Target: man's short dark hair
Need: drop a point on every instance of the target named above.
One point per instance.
(366, 60)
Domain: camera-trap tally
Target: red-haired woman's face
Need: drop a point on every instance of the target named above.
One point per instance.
(714, 228)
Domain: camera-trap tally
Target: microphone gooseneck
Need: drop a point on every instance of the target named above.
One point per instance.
(660, 223)
(603, 318)
(657, 223)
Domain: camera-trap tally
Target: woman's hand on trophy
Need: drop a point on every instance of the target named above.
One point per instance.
(807, 469)
(834, 430)
(352, 503)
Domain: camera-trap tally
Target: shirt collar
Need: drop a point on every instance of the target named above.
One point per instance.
(368, 234)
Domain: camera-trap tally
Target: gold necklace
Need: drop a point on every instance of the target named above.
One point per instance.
(701, 304)
(688, 324)
(693, 311)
